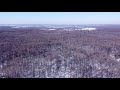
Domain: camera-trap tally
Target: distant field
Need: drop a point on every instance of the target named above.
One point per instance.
(57, 53)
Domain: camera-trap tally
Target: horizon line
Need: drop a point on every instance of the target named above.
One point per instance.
(50, 24)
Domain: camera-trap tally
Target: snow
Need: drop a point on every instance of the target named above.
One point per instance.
(77, 29)
(52, 29)
(118, 59)
(97, 66)
(88, 29)
(64, 74)
(68, 30)
(113, 57)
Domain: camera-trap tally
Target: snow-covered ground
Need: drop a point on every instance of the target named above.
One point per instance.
(113, 57)
(88, 29)
(52, 29)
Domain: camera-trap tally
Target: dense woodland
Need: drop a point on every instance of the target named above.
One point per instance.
(59, 54)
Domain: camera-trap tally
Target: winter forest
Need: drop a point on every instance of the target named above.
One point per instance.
(60, 52)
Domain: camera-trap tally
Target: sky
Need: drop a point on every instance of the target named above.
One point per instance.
(59, 17)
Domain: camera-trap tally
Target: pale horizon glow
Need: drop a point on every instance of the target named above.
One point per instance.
(59, 17)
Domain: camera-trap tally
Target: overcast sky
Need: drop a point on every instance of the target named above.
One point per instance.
(59, 17)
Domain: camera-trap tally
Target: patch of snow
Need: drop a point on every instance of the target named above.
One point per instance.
(118, 59)
(112, 56)
(68, 29)
(52, 29)
(77, 29)
(88, 29)
(97, 66)
(64, 74)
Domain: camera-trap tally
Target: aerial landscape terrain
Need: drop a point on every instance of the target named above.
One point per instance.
(59, 44)
(59, 51)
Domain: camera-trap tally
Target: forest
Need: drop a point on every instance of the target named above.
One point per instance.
(37, 53)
